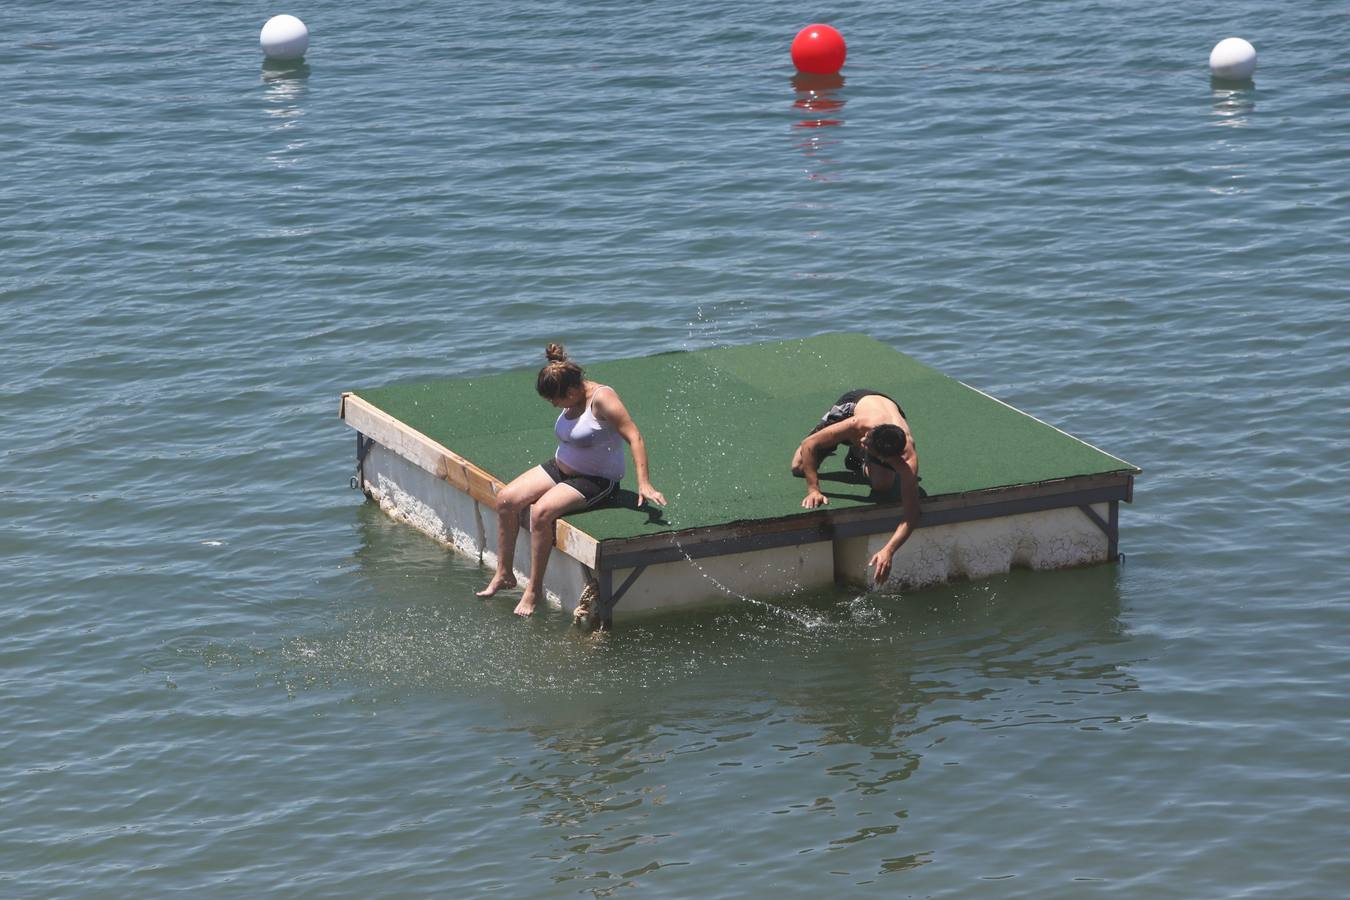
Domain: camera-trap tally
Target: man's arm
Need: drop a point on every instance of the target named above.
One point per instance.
(909, 499)
(832, 436)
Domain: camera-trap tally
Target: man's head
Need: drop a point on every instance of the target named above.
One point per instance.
(886, 441)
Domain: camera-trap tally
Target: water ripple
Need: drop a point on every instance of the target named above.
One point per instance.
(226, 673)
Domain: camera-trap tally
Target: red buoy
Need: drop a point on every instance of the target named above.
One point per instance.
(818, 50)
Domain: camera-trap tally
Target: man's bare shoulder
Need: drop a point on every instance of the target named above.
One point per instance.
(874, 409)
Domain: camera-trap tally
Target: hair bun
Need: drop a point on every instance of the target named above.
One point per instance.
(556, 353)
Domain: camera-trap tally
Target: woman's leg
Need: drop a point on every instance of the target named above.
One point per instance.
(544, 515)
(517, 495)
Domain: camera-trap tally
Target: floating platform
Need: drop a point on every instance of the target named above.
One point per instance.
(1000, 489)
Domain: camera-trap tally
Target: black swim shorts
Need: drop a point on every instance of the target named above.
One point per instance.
(593, 490)
(844, 406)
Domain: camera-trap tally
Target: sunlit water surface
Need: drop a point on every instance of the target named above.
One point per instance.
(222, 671)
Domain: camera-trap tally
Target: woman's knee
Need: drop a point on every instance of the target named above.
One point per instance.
(506, 504)
(542, 519)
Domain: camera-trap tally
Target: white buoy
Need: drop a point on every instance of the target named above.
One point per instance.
(284, 38)
(1232, 58)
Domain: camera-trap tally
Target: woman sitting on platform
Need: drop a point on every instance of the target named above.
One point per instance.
(584, 472)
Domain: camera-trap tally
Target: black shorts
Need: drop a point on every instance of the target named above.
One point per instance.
(844, 406)
(841, 410)
(593, 489)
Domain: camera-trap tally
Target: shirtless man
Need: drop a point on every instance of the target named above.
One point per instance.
(880, 447)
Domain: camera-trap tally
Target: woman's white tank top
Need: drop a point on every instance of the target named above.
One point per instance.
(589, 446)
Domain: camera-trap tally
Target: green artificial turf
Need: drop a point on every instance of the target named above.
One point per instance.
(721, 426)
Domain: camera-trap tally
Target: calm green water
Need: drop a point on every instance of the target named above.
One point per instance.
(222, 671)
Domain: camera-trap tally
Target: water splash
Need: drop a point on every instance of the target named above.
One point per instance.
(809, 622)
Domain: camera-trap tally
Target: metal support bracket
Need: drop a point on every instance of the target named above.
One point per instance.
(602, 619)
(363, 445)
(1110, 527)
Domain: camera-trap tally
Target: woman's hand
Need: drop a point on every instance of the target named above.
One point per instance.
(647, 492)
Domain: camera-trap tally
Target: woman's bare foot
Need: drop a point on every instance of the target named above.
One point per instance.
(499, 582)
(526, 605)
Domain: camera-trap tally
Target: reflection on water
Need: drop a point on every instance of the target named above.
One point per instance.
(284, 90)
(614, 758)
(608, 754)
(820, 734)
(1233, 104)
(1234, 101)
(414, 625)
(819, 98)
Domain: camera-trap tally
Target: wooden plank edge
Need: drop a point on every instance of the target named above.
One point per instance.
(442, 462)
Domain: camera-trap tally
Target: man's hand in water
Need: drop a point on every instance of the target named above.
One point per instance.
(814, 499)
(882, 563)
